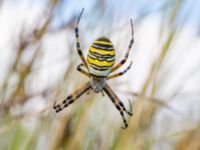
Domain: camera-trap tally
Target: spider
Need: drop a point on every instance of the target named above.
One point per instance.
(99, 65)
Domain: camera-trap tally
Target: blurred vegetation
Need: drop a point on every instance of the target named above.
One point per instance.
(89, 123)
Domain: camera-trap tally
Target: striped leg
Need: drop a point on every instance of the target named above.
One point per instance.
(118, 100)
(127, 53)
(72, 97)
(81, 70)
(78, 42)
(117, 105)
(120, 73)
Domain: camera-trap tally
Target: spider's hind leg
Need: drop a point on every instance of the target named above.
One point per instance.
(72, 97)
(119, 101)
(117, 105)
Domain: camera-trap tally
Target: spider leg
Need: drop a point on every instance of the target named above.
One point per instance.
(82, 71)
(72, 97)
(117, 105)
(120, 73)
(127, 52)
(78, 41)
(119, 101)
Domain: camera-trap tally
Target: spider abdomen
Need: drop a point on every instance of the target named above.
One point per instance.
(101, 57)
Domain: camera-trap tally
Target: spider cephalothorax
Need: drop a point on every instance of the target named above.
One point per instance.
(99, 65)
(97, 84)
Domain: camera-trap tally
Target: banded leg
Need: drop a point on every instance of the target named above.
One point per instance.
(120, 73)
(117, 106)
(72, 97)
(112, 93)
(78, 41)
(127, 52)
(82, 71)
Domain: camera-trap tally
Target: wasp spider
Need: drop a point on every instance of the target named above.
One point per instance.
(99, 65)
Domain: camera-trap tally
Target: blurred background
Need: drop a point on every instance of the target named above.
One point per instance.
(38, 60)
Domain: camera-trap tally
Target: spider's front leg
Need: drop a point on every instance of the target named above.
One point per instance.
(123, 61)
(80, 53)
(72, 97)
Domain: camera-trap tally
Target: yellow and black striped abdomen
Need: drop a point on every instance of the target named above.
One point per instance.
(101, 57)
